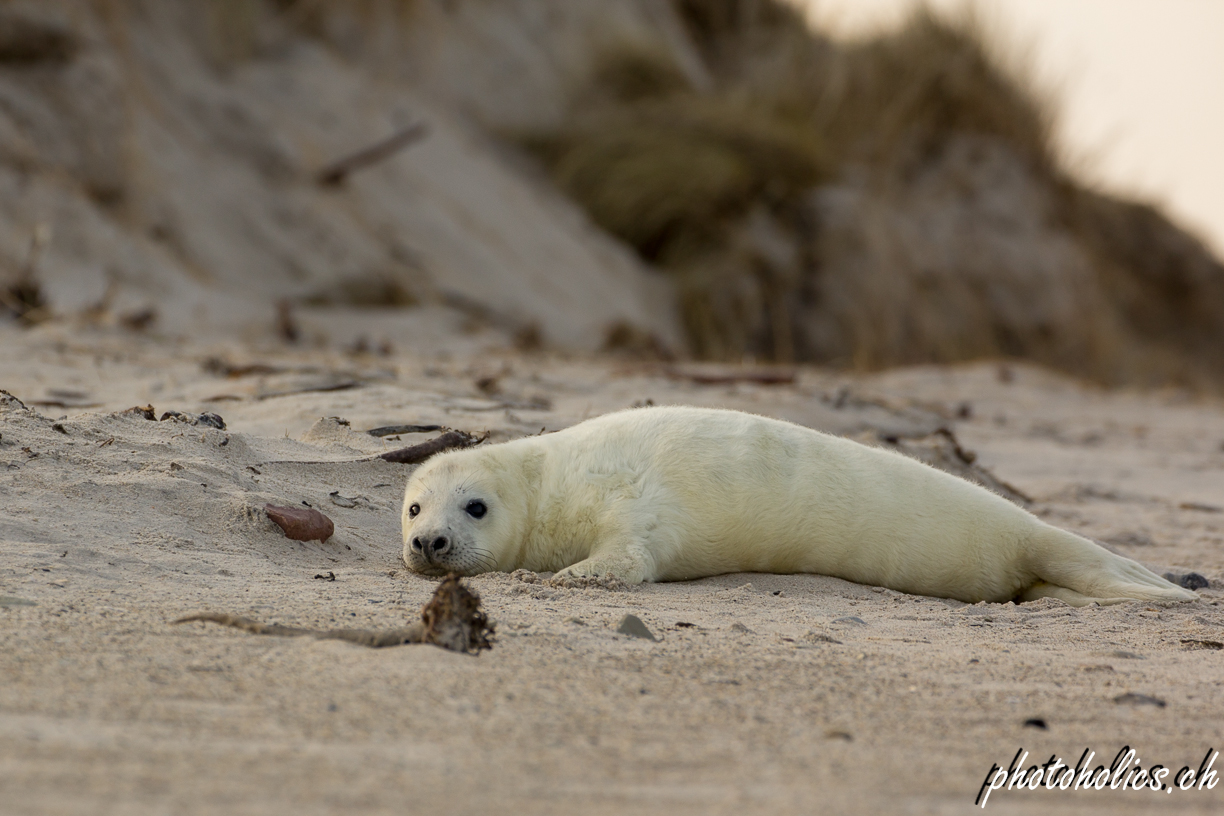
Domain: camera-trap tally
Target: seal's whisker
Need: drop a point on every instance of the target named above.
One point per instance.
(478, 558)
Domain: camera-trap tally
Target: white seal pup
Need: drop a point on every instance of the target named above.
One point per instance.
(673, 493)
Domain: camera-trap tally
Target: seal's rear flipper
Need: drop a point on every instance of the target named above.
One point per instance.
(1075, 570)
(1069, 596)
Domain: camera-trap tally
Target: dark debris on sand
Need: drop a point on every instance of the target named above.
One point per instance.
(452, 619)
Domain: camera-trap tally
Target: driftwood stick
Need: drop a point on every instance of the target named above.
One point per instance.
(334, 174)
(394, 430)
(364, 637)
(416, 454)
(728, 375)
(411, 455)
(451, 619)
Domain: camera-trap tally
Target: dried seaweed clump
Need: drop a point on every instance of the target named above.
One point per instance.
(454, 619)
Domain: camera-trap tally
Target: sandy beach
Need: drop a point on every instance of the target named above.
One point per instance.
(761, 693)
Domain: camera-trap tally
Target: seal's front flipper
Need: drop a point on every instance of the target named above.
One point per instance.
(622, 565)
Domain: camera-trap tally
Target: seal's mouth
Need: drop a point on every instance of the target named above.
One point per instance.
(428, 563)
(424, 568)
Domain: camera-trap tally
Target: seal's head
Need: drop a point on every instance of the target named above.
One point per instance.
(462, 513)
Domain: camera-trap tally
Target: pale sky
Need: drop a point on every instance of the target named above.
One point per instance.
(1139, 86)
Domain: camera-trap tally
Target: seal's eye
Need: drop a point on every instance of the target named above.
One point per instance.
(476, 508)
(413, 509)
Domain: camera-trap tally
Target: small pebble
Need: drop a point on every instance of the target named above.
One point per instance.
(632, 625)
(301, 525)
(819, 637)
(342, 501)
(1189, 580)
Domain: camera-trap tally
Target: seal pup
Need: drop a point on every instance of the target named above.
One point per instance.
(674, 493)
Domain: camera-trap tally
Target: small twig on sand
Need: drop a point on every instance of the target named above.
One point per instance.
(412, 455)
(451, 619)
(416, 454)
(322, 387)
(395, 430)
(334, 174)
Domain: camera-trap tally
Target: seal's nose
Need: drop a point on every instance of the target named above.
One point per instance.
(417, 546)
(440, 545)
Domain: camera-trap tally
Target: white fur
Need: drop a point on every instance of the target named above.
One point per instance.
(668, 494)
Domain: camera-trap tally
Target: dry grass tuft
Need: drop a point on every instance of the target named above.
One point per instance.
(890, 201)
(668, 175)
(904, 94)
